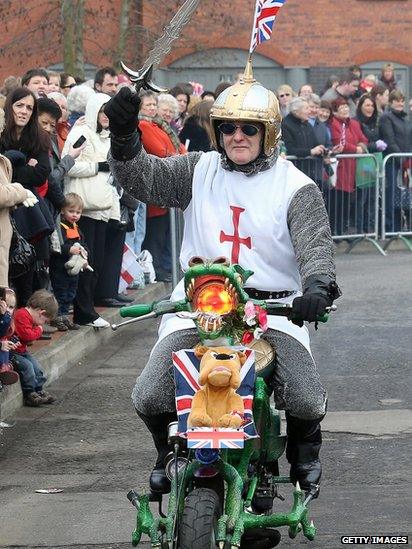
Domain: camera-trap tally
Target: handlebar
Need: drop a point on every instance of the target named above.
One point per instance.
(143, 311)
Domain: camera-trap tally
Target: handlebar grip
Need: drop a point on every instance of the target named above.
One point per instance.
(136, 310)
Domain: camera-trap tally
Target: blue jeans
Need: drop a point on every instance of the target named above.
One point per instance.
(31, 376)
(135, 238)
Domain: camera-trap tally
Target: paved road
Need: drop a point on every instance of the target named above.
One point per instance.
(91, 445)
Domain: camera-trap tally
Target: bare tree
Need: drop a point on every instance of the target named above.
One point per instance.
(79, 29)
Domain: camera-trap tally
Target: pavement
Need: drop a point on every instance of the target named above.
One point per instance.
(92, 447)
(65, 349)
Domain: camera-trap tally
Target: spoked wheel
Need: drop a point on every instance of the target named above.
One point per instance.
(198, 524)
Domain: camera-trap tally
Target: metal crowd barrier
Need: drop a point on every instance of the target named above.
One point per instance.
(396, 214)
(176, 236)
(367, 199)
(350, 185)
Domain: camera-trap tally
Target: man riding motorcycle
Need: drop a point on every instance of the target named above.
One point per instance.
(244, 202)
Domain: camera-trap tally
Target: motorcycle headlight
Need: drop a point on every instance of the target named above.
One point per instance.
(215, 298)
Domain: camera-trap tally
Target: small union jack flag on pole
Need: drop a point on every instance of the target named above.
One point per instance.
(265, 15)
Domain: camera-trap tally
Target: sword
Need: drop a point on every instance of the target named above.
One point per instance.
(162, 46)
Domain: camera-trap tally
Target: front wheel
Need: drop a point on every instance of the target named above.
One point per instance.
(199, 520)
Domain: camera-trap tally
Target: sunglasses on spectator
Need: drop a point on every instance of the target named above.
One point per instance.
(228, 128)
(284, 95)
(70, 86)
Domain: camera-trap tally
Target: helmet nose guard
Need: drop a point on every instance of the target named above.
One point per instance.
(248, 101)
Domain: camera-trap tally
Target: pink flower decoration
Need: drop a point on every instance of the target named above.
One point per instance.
(262, 318)
(249, 310)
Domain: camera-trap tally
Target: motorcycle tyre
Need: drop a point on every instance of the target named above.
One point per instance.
(198, 522)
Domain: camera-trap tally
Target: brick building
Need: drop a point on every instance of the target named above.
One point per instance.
(311, 40)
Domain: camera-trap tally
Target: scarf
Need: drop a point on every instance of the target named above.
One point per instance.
(166, 127)
(260, 164)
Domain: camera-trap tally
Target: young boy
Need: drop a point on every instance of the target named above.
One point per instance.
(28, 321)
(65, 284)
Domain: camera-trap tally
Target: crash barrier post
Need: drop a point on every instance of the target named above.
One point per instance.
(396, 190)
(176, 236)
(350, 187)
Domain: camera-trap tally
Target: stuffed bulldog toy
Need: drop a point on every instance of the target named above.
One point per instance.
(217, 404)
(78, 262)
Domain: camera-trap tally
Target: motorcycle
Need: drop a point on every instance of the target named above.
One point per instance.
(223, 496)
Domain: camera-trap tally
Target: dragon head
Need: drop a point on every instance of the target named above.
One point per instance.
(214, 289)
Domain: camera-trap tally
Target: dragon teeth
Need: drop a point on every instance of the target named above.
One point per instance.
(209, 323)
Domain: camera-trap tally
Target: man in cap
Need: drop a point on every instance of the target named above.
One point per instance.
(244, 202)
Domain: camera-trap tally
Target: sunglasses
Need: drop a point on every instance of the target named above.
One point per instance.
(228, 128)
(284, 95)
(69, 86)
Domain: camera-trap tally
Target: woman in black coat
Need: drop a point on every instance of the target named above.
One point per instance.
(301, 141)
(367, 116)
(27, 147)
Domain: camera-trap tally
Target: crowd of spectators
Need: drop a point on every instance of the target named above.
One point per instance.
(57, 191)
(353, 116)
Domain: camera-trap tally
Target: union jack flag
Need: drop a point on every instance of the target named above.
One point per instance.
(206, 437)
(186, 372)
(265, 15)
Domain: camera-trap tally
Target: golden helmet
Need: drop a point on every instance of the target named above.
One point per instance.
(248, 100)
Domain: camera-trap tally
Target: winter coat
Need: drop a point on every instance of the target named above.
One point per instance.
(299, 138)
(348, 133)
(59, 169)
(197, 136)
(322, 134)
(395, 130)
(370, 130)
(85, 174)
(10, 195)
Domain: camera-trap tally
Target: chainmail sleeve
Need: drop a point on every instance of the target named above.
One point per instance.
(310, 232)
(159, 181)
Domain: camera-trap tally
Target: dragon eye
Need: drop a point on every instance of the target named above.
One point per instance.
(213, 354)
(232, 356)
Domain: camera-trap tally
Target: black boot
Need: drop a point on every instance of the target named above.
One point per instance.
(304, 439)
(157, 426)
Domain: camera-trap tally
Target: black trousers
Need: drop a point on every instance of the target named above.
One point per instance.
(108, 286)
(94, 232)
(64, 285)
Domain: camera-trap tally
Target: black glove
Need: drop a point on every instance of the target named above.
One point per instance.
(123, 111)
(320, 292)
(103, 166)
(17, 158)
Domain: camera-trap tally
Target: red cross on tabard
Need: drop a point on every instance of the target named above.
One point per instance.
(235, 238)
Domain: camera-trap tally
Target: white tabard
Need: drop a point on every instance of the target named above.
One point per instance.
(245, 219)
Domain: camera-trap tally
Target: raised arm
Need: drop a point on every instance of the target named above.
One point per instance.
(159, 181)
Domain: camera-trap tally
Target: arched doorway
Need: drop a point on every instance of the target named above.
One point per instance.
(209, 67)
